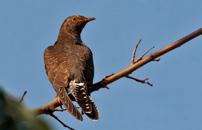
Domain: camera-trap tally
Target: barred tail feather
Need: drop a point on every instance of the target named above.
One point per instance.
(83, 99)
(67, 102)
(94, 113)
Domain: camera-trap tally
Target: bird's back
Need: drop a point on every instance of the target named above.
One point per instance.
(72, 63)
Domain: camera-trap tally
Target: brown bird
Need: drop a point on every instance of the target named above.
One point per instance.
(70, 69)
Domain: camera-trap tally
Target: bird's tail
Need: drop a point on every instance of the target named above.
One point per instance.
(67, 102)
(83, 99)
(93, 114)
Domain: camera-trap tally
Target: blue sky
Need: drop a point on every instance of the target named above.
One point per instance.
(27, 27)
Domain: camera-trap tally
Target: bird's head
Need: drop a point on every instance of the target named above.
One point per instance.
(75, 24)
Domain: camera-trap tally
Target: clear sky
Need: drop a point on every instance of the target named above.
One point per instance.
(27, 27)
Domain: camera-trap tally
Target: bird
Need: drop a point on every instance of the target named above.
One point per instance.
(70, 68)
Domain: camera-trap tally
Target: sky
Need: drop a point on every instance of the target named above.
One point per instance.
(27, 27)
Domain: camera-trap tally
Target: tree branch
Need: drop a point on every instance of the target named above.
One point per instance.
(50, 107)
(143, 81)
(55, 117)
(22, 98)
(104, 82)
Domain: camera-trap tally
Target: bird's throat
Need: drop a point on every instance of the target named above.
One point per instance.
(69, 37)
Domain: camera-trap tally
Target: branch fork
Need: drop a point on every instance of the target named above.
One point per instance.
(135, 51)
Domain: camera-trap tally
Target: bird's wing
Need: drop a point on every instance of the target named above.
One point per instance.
(89, 68)
(58, 72)
(88, 107)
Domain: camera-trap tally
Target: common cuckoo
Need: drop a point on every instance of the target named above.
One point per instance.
(70, 69)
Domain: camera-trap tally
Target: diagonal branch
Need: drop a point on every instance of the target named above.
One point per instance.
(146, 60)
(22, 98)
(51, 106)
(55, 117)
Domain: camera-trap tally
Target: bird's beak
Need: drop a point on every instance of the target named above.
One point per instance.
(88, 19)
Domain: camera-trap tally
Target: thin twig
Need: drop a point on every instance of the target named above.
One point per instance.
(135, 51)
(60, 110)
(145, 53)
(144, 81)
(109, 75)
(55, 117)
(23, 95)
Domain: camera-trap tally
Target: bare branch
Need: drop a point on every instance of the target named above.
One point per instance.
(55, 117)
(47, 108)
(144, 81)
(23, 95)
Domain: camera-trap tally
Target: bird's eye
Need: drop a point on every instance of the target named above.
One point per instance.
(74, 19)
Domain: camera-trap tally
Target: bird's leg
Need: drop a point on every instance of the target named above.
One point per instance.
(58, 99)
